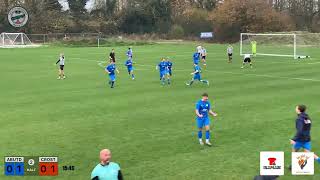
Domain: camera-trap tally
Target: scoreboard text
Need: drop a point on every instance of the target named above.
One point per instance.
(30, 166)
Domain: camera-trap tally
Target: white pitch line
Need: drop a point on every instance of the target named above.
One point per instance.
(314, 63)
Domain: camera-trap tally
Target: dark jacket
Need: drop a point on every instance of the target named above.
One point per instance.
(303, 126)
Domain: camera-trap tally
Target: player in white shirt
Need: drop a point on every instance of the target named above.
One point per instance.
(246, 60)
(61, 61)
(199, 49)
(230, 52)
(203, 56)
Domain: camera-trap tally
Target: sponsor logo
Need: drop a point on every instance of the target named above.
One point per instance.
(271, 163)
(18, 16)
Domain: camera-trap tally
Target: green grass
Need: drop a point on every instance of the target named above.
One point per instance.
(150, 128)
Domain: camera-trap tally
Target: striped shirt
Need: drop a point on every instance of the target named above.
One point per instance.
(61, 60)
(230, 50)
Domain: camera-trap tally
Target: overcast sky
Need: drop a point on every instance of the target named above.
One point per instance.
(65, 4)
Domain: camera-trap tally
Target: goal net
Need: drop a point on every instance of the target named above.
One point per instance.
(282, 45)
(14, 40)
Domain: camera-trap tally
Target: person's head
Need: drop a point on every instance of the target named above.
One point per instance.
(111, 61)
(129, 48)
(163, 59)
(112, 50)
(105, 156)
(301, 108)
(205, 96)
(61, 54)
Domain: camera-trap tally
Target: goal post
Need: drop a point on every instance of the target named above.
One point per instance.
(278, 45)
(14, 40)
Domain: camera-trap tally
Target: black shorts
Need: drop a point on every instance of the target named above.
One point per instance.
(230, 54)
(61, 67)
(204, 57)
(247, 60)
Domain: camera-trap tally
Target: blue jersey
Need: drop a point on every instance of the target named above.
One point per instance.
(169, 65)
(129, 53)
(111, 68)
(106, 172)
(197, 68)
(129, 63)
(162, 66)
(203, 107)
(196, 58)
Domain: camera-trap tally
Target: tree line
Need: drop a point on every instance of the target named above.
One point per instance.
(173, 18)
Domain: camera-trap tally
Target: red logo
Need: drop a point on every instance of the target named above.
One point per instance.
(272, 161)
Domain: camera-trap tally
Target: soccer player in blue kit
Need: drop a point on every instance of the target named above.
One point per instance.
(129, 53)
(110, 69)
(129, 64)
(163, 69)
(196, 58)
(203, 109)
(197, 76)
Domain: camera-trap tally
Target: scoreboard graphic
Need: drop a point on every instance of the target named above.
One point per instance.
(31, 166)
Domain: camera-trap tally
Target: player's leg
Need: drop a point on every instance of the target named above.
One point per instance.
(163, 78)
(168, 77)
(207, 127)
(132, 74)
(59, 74)
(295, 148)
(195, 77)
(204, 61)
(112, 80)
(202, 80)
(244, 62)
(200, 124)
(250, 63)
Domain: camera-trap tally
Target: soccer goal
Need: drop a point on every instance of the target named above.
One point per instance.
(281, 45)
(14, 40)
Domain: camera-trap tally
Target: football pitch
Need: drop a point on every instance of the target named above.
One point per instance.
(150, 128)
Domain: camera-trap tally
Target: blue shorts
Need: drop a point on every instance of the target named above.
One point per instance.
(163, 73)
(196, 62)
(201, 122)
(304, 145)
(130, 69)
(112, 77)
(197, 77)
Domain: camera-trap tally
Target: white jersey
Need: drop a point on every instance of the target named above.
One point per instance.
(230, 50)
(203, 52)
(61, 61)
(199, 49)
(247, 56)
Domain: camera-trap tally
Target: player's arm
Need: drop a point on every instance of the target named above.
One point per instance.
(197, 110)
(107, 71)
(212, 113)
(196, 71)
(198, 114)
(299, 132)
(58, 61)
(120, 176)
(117, 70)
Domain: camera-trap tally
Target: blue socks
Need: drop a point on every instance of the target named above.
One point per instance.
(207, 134)
(318, 160)
(132, 75)
(200, 134)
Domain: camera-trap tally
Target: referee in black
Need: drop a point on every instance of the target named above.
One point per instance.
(112, 56)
